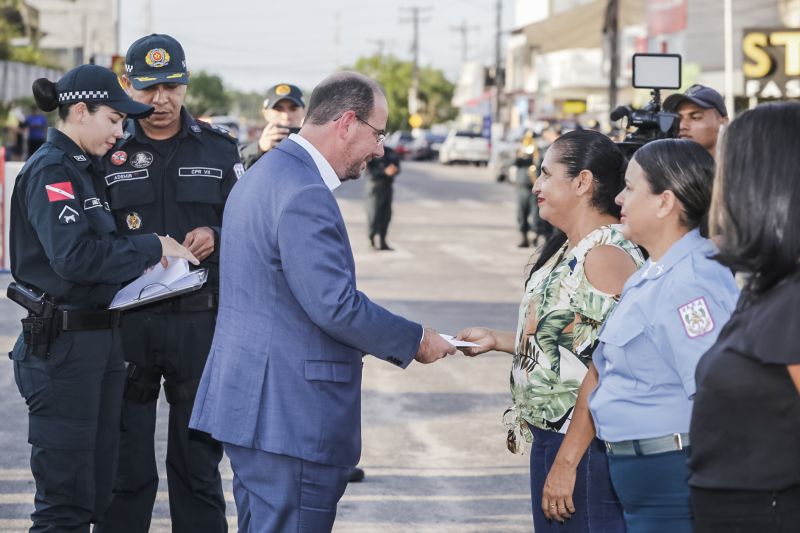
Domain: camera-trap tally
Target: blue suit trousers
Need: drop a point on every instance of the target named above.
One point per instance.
(281, 494)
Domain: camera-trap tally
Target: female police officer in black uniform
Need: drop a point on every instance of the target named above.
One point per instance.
(67, 265)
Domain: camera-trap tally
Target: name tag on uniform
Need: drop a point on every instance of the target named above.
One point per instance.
(111, 179)
(190, 172)
(91, 203)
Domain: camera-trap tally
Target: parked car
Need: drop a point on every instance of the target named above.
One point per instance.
(426, 146)
(400, 142)
(462, 146)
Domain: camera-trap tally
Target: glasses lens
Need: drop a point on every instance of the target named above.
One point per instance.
(381, 138)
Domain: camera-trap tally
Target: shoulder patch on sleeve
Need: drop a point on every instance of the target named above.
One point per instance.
(696, 318)
(238, 169)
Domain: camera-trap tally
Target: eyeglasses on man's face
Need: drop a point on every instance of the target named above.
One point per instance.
(380, 135)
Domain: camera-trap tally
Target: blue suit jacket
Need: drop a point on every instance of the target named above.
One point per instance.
(284, 371)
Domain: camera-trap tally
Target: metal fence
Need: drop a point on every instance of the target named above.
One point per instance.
(16, 79)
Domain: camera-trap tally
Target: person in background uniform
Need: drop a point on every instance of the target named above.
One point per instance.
(382, 171)
(170, 174)
(745, 428)
(68, 262)
(641, 384)
(526, 161)
(702, 113)
(284, 111)
(35, 125)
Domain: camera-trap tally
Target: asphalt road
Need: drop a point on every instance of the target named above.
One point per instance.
(434, 446)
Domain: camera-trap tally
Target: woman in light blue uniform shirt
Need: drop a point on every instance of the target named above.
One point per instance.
(670, 313)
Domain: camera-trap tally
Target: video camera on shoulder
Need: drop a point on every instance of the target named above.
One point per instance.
(656, 72)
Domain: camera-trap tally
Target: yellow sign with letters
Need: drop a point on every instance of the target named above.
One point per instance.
(771, 64)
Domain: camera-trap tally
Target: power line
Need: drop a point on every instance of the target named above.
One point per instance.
(464, 30)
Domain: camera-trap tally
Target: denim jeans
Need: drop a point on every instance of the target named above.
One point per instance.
(654, 491)
(597, 508)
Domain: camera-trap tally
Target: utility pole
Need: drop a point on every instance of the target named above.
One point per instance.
(380, 44)
(464, 30)
(412, 91)
(611, 30)
(498, 70)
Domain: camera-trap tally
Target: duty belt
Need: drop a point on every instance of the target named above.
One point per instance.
(85, 319)
(667, 443)
(203, 301)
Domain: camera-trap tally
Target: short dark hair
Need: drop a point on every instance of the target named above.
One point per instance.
(685, 168)
(756, 195)
(342, 92)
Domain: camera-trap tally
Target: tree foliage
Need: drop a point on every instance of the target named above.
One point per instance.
(206, 95)
(435, 92)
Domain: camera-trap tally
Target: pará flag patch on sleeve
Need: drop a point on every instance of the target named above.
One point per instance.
(696, 318)
(57, 192)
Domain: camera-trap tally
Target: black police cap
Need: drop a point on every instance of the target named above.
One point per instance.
(703, 96)
(283, 91)
(156, 58)
(98, 85)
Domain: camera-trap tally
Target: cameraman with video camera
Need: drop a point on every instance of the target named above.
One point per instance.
(702, 114)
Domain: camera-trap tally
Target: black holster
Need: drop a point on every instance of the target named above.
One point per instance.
(38, 333)
(142, 385)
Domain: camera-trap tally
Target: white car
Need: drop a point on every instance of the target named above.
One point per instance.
(464, 147)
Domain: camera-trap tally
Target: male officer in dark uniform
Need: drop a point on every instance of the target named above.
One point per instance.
(170, 174)
(284, 110)
(382, 172)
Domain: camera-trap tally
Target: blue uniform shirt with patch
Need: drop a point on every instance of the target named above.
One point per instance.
(669, 314)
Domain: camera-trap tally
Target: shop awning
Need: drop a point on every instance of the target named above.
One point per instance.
(580, 27)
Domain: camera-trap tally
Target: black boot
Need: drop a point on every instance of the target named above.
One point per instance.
(524, 242)
(385, 246)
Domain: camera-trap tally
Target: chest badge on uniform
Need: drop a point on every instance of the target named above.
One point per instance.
(118, 158)
(696, 318)
(141, 159)
(68, 215)
(133, 220)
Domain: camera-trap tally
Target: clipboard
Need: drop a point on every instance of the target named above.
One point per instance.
(158, 284)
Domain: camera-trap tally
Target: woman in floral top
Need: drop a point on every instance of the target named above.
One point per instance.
(572, 287)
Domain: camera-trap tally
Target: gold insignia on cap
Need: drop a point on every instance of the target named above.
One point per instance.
(176, 75)
(145, 78)
(157, 58)
(282, 90)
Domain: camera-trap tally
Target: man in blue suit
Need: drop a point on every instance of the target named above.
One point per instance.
(282, 385)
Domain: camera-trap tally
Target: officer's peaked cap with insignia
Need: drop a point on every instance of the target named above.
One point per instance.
(156, 58)
(98, 85)
(284, 91)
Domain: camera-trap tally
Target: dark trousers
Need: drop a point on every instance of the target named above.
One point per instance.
(525, 201)
(597, 509)
(281, 494)
(175, 346)
(654, 491)
(73, 400)
(746, 511)
(379, 206)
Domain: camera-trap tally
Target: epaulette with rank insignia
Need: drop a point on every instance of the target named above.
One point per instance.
(219, 130)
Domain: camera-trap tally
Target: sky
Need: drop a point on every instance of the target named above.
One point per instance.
(254, 44)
